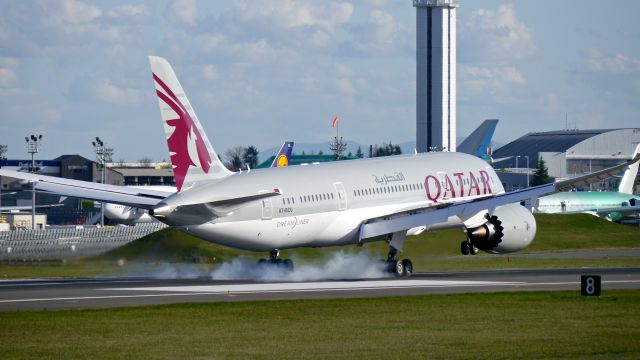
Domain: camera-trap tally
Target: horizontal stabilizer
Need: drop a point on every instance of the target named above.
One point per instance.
(137, 197)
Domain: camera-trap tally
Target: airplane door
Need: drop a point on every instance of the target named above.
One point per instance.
(266, 209)
(342, 196)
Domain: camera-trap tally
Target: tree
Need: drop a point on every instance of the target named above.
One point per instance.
(3, 152)
(541, 176)
(234, 158)
(250, 157)
(145, 161)
(359, 153)
(386, 150)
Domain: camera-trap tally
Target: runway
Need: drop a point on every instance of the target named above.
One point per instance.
(116, 292)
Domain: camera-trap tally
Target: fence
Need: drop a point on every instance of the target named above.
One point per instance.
(69, 242)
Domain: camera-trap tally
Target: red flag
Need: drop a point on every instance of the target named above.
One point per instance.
(335, 121)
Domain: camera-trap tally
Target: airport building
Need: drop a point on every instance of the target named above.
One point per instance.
(145, 174)
(567, 154)
(435, 75)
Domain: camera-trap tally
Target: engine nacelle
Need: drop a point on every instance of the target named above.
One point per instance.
(511, 228)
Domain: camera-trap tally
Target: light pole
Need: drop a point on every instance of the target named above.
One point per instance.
(33, 147)
(102, 155)
(527, 156)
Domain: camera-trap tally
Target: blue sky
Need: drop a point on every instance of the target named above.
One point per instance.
(261, 72)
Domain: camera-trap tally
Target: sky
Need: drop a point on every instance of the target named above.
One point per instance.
(262, 72)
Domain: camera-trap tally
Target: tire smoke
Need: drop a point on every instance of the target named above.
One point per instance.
(337, 266)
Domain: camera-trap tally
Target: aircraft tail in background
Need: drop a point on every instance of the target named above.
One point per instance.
(480, 139)
(629, 177)
(192, 156)
(284, 155)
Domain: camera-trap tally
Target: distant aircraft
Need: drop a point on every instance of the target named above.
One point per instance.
(611, 205)
(328, 204)
(479, 141)
(129, 215)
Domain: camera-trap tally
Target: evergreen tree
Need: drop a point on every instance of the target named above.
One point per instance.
(541, 176)
(250, 157)
(359, 153)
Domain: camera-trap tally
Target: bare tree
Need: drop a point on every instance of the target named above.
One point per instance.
(145, 161)
(234, 158)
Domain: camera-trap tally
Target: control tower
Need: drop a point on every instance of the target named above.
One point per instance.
(435, 75)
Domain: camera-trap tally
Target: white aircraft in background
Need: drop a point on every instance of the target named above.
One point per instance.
(124, 214)
(328, 204)
(610, 205)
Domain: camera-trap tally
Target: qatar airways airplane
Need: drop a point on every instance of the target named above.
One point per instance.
(328, 204)
(124, 214)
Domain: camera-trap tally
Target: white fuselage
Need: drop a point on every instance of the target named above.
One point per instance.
(325, 204)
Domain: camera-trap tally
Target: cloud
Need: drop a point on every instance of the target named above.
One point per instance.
(344, 86)
(114, 94)
(380, 33)
(7, 77)
(182, 11)
(618, 64)
(498, 34)
(210, 72)
(494, 80)
(294, 14)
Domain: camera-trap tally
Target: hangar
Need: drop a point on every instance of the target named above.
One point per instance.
(567, 154)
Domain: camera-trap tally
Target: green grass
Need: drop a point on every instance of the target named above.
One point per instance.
(495, 326)
(429, 251)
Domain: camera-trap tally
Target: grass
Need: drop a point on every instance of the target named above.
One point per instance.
(436, 251)
(496, 326)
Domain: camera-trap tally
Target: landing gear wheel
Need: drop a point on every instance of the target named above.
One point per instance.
(288, 264)
(397, 267)
(408, 267)
(473, 250)
(465, 247)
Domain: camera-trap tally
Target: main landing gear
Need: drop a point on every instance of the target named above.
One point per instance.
(396, 266)
(467, 248)
(274, 260)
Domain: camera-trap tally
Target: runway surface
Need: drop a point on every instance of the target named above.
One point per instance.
(116, 292)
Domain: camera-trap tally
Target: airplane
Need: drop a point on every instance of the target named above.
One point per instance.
(478, 142)
(610, 205)
(129, 215)
(328, 204)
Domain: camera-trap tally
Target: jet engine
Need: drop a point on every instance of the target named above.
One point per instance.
(511, 228)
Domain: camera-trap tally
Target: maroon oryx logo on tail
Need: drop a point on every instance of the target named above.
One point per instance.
(184, 129)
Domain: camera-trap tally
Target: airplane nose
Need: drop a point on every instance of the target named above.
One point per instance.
(161, 211)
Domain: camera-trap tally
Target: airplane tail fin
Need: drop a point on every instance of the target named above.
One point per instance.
(629, 177)
(480, 139)
(192, 156)
(284, 155)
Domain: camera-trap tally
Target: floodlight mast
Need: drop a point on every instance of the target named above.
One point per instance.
(103, 155)
(34, 144)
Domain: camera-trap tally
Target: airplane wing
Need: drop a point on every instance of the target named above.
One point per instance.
(408, 219)
(137, 197)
